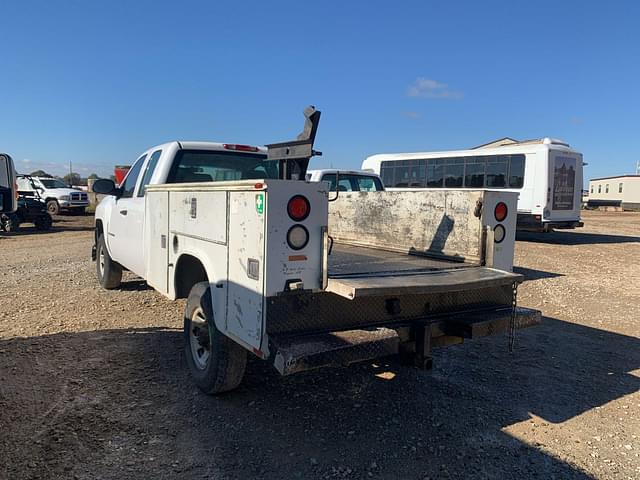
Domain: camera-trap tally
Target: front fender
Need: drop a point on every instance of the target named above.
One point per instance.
(102, 215)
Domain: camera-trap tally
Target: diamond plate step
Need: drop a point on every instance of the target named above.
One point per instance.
(299, 353)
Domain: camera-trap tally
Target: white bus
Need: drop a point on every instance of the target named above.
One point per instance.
(546, 173)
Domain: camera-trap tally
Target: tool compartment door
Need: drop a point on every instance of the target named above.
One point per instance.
(245, 292)
(156, 239)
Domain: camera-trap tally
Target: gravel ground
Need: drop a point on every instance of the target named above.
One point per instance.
(93, 384)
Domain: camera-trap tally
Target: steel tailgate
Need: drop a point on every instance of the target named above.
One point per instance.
(440, 281)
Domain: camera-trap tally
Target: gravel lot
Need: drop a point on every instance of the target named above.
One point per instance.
(93, 384)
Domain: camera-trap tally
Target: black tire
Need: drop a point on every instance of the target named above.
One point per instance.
(223, 368)
(53, 207)
(109, 272)
(10, 222)
(43, 222)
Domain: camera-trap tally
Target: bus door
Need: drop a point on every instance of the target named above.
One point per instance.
(565, 186)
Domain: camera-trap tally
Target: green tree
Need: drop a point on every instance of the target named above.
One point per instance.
(72, 179)
(40, 173)
(93, 175)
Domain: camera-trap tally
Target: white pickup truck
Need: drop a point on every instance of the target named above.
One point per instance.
(347, 180)
(8, 187)
(56, 194)
(304, 278)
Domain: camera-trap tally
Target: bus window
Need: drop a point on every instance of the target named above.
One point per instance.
(401, 174)
(435, 172)
(386, 173)
(497, 171)
(416, 173)
(454, 172)
(474, 172)
(516, 171)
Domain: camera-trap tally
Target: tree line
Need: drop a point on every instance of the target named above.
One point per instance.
(70, 178)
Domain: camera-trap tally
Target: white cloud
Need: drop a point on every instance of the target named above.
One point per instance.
(411, 114)
(428, 88)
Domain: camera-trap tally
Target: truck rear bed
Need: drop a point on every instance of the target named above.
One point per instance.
(364, 271)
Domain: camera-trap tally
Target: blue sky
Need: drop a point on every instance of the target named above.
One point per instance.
(96, 83)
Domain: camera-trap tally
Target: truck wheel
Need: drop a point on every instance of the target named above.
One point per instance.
(43, 222)
(53, 207)
(109, 272)
(10, 222)
(216, 362)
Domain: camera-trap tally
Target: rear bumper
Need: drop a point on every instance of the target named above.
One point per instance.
(298, 353)
(535, 223)
(565, 225)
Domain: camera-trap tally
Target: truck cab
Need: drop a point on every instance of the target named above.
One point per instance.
(121, 216)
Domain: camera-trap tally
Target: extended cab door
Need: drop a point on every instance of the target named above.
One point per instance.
(126, 226)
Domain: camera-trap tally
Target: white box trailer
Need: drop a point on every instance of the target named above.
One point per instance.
(305, 278)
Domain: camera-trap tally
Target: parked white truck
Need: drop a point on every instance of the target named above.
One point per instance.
(347, 180)
(56, 194)
(305, 278)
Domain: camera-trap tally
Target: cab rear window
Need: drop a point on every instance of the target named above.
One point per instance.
(192, 166)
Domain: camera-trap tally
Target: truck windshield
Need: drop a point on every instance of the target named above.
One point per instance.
(215, 166)
(53, 183)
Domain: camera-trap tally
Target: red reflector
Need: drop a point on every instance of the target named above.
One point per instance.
(241, 148)
(258, 186)
(298, 208)
(258, 353)
(500, 212)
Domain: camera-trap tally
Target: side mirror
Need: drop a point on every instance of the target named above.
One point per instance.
(105, 186)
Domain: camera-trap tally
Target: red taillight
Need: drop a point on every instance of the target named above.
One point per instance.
(240, 148)
(298, 208)
(500, 212)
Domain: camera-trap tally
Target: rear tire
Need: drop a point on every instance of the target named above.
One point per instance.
(10, 222)
(216, 362)
(53, 207)
(109, 272)
(44, 222)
